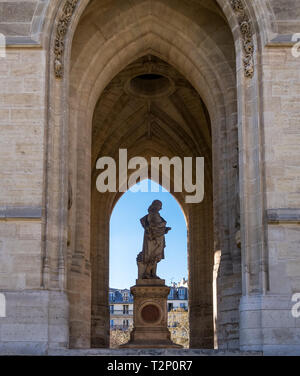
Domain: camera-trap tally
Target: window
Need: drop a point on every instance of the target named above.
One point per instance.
(112, 297)
(170, 307)
(125, 296)
(111, 308)
(125, 309)
(171, 294)
(181, 293)
(111, 323)
(125, 323)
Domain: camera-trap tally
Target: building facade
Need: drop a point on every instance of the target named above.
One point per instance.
(120, 309)
(178, 297)
(121, 304)
(80, 79)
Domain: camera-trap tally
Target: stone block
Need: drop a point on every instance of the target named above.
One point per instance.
(23, 348)
(17, 11)
(24, 332)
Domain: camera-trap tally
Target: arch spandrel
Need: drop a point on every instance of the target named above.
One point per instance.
(271, 19)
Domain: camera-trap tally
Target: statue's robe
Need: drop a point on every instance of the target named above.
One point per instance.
(154, 238)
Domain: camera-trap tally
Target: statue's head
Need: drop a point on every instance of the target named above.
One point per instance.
(155, 206)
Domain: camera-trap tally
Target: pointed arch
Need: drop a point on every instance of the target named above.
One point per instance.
(71, 102)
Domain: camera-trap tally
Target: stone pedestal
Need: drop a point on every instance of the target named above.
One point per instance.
(150, 316)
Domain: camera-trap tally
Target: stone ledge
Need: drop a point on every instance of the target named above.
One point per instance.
(21, 212)
(150, 352)
(283, 215)
(21, 42)
(281, 40)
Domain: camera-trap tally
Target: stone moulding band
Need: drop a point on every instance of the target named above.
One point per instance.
(61, 31)
(246, 30)
(276, 216)
(20, 212)
(21, 42)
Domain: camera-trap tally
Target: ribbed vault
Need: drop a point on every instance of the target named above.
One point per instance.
(175, 124)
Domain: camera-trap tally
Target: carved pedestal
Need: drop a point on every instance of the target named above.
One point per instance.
(150, 316)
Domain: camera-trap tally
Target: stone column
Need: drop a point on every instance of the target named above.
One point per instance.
(201, 277)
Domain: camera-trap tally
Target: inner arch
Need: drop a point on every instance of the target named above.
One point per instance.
(126, 236)
(174, 126)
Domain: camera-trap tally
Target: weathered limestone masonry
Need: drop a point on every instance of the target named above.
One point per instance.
(65, 100)
(281, 81)
(31, 310)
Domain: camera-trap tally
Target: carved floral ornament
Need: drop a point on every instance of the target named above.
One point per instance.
(247, 35)
(61, 31)
(237, 6)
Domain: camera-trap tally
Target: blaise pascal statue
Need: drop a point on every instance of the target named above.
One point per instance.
(154, 242)
(150, 294)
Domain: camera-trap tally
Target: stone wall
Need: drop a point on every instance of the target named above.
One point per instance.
(22, 126)
(22, 130)
(282, 139)
(22, 21)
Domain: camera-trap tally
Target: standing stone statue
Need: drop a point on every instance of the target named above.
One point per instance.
(150, 294)
(154, 242)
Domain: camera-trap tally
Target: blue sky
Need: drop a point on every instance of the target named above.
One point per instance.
(126, 237)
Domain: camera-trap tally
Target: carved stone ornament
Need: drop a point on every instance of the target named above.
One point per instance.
(61, 31)
(247, 35)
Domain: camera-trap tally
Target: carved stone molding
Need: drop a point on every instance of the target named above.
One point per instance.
(247, 35)
(20, 212)
(61, 31)
(153, 291)
(276, 216)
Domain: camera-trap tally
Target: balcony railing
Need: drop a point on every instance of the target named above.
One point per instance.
(120, 327)
(121, 312)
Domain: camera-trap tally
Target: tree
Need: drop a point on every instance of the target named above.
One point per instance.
(178, 323)
(119, 337)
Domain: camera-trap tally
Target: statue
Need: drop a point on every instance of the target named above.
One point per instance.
(150, 294)
(154, 242)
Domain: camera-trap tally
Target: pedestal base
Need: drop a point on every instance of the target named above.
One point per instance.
(150, 345)
(150, 316)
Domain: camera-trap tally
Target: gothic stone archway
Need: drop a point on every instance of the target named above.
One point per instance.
(206, 56)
